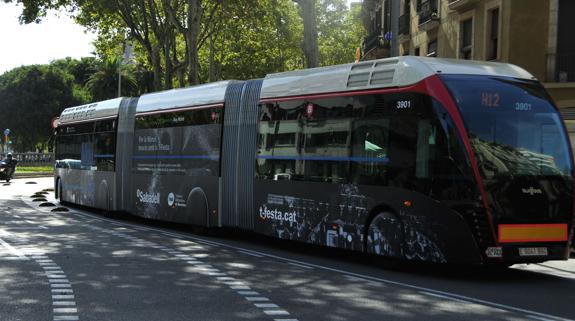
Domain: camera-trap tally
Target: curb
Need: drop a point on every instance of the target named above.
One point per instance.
(33, 175)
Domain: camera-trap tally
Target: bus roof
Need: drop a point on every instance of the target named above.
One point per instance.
(381, 73)
(208, 94)
(102, 109)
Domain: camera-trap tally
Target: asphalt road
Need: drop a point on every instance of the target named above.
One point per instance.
(79, 265)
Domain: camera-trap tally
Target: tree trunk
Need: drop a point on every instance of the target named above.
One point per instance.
(310, 45)
(194, 19)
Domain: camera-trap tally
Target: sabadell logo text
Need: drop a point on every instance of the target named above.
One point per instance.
(277, 215)
(150, 198)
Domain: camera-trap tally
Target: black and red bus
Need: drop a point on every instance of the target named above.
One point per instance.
(414, 158)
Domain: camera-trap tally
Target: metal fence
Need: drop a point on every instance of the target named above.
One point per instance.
(32, 159)
(565, 67)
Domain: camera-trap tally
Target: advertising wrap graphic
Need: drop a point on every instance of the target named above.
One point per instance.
(340, 222)
(148, 197)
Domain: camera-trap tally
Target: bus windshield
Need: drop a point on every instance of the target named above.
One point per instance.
(513, 128)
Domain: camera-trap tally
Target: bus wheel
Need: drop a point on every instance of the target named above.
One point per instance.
(59, 191)
(385, 236)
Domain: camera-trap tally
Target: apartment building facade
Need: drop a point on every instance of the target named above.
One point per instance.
(533, 34)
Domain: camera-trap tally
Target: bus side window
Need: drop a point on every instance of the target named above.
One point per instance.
(370, 151)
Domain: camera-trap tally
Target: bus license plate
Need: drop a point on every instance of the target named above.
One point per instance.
(533, 251)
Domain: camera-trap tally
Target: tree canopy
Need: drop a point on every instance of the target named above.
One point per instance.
(175, 43)
(32, 95)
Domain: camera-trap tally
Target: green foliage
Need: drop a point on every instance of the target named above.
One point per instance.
(29, 97)
(103, 84)
(238, 39)
(340, 32)
(254, 42)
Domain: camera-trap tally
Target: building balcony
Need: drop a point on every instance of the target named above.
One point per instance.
(375, 47)
(404, 27)
(429, 15)
(461, 5)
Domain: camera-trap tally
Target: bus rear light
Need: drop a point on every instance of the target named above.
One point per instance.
(407, 203)
(494, 252)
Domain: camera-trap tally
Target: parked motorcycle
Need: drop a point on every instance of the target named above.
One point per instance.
(7, 168)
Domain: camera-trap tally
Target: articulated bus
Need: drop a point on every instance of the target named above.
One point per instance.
(413, 158)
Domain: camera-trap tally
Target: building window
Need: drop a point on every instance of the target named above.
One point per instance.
(418, 5)
(416, 52)
(492, 34)
(432, 48)
(466, 39)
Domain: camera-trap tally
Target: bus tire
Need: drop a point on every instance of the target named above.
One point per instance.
(197, 204)
(59, 190)
(385, 236)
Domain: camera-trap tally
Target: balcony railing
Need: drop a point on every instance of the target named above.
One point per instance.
(428, 11)
(374, 41)
(460, 4)
(404, 24)
(371, 41)
(565, 70)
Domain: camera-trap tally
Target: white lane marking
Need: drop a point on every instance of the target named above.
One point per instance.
(276, 312)
(58, 285)
(62, 291)
(12, 250)
(256, 298)
(30, 222)
(64, 303)
(443, 297)
(58, 281)
(248, 293)
(250, 253)
(266, 305)
(240, 287)
(538, 318)
(63, 297)
(65, 310)
(66, 318)
(303, 266)
(285, 319)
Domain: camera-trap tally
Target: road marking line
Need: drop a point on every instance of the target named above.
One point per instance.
(250, 253)
(276, 312)
(64, 303)
(56, 285)
(301, 266)
(65, 310)
(256, 298)
(286, 320)
(66, 318)
(59, 281)
(62, 291)
(63, 297)
(248, 293)
(56, 276)
(240, 287)
(266, 305)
